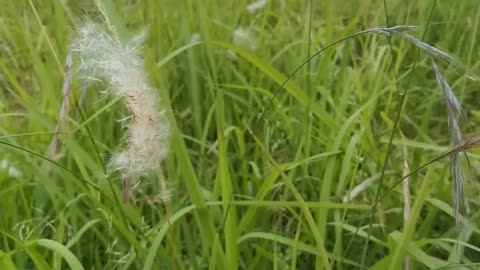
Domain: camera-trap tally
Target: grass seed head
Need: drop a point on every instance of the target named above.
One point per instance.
(104, 57)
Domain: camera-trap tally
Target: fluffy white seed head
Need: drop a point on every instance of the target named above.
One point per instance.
(244, 37)
(257, 5)
(105, 58)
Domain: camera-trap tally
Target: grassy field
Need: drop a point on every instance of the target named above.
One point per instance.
(274, 162)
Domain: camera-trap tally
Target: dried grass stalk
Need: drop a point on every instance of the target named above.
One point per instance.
(64, 108)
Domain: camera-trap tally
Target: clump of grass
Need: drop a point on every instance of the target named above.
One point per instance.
(103, 56)
(454, 108)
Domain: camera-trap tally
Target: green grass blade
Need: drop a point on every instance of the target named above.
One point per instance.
(157, 241)
(69, 257)
(6, 261)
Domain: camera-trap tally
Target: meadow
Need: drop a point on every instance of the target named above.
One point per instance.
(235, 134)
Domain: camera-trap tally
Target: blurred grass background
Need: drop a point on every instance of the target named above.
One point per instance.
(256, 184)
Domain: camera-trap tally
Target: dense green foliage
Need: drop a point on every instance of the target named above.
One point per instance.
(259, 179)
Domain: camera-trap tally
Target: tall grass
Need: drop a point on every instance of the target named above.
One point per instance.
(273, 160)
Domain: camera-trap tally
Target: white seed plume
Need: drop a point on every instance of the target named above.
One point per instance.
(244, 37)
(104, 57)
(11, 170)
(257, 5)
